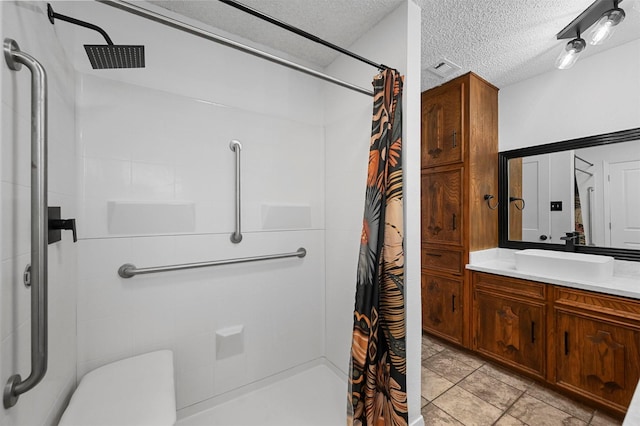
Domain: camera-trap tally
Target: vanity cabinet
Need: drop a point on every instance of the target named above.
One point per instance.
(509, 322)
(597, 346)
(459, 152)
(581, 343)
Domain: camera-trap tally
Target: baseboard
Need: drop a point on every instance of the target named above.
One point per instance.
(417, 422)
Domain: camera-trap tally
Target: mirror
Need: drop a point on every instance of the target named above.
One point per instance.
(588, 185)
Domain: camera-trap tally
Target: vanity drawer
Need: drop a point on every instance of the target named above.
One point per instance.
(508, 285)
(601, 303)
(442, 260)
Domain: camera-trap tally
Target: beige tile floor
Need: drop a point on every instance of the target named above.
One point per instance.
(461, 389)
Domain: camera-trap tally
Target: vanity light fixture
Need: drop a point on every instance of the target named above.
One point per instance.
(606, 25)
(570, 53)
(606, 13)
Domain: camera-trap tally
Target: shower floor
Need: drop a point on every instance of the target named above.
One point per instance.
(314, 397)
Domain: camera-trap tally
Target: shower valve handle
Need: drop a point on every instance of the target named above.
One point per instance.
(67, 224)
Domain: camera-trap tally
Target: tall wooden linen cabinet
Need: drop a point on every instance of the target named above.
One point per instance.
(459, 151)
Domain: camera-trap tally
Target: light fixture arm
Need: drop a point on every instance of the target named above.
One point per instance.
(587, 18)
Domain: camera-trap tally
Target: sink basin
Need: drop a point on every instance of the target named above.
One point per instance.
(565, 266)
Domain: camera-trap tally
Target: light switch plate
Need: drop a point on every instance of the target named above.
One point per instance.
(556, 206)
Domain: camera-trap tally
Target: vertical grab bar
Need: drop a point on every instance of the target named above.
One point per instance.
(39, 223)
(236, 147)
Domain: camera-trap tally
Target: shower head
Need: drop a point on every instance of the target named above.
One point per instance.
(105, 56)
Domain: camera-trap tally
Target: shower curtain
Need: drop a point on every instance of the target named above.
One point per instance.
(377, 371)
(579, 227)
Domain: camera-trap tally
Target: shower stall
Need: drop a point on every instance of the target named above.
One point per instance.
(141, 159)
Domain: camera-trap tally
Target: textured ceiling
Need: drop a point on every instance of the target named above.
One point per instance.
(506, 41)
(501, 40)
(340, 22)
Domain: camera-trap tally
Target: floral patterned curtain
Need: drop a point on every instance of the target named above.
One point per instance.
(377, 382)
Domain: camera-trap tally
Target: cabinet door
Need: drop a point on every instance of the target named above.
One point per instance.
(510, 331)
(442, 127)
(442, 207)
(597, 358)
(442, 307)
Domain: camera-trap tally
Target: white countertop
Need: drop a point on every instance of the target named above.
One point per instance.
(625, 282)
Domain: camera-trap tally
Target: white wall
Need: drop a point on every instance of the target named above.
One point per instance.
(395, 42)
(600, 94)
(27, 23)
(159, 137)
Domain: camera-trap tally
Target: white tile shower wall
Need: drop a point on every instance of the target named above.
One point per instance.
(536, 111)
(27, 23)
(394, 41)
(279, 303)
(161, 134)
(145, 145)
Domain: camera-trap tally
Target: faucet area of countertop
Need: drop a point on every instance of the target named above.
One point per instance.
(624, 280)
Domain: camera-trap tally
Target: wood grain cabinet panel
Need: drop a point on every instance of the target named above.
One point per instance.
(459, 160)
(448, 261)
(511, 331)
(442, 138)
(597, 359)
(442, 206)
(580, 343)
(442, 307)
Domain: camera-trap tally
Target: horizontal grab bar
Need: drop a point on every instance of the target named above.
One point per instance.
(128, 270)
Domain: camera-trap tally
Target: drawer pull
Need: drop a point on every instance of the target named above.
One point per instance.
(453, 303)
(533, 332)
(453, 220)
(434, 254)
(454, 139)
(566, 343)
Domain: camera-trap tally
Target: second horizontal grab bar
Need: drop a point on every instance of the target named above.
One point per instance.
(129, 270)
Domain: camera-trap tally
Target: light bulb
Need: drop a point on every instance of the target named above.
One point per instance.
(606, 25)
(570, 53)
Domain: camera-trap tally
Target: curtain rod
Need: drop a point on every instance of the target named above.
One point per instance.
(301, 32)
(182, 26)
(583, 160)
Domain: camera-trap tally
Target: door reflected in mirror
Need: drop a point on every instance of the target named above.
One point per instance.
(594, 191)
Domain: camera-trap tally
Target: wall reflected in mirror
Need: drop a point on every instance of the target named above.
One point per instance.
(594, 191)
